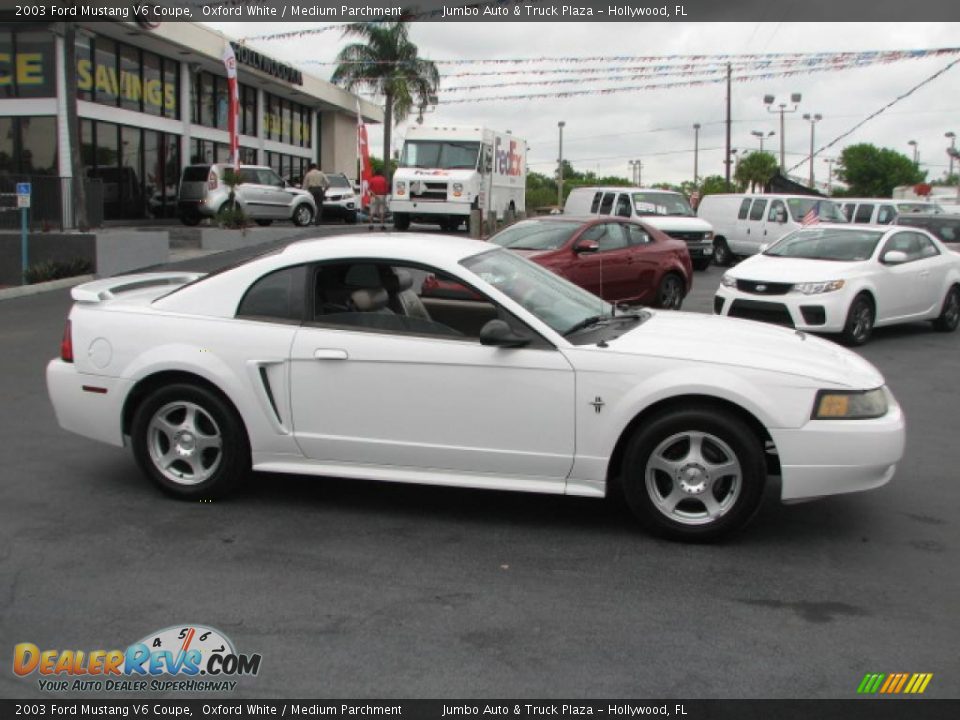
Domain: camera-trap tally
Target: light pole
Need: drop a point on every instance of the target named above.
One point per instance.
(759, 134)
(916, 153)
(952, 150)
(696, 151)
(768, 100)
(829, 162)
(560, 125)
(636, 167)
(813, 119)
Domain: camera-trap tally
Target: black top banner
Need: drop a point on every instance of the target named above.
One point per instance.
(151, 12)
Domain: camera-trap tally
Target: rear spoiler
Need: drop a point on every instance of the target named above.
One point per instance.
(102, 290)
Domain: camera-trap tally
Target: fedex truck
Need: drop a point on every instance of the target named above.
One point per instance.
(445, 172)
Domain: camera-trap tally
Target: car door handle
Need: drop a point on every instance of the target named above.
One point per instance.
(330, 354)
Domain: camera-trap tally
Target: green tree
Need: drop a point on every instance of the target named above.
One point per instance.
(541, 191)
(870, 171)
(714, 184)
(389, 65)
(756, 169)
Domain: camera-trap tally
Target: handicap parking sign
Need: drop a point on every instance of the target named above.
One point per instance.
(23, 188)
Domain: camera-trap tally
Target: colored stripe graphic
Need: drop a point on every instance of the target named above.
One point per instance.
(894, 683)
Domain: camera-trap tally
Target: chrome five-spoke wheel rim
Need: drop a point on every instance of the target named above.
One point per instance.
(303, 215)
(185, 443)
(671, 294)
(952, 312)
(693, 478)
(862, 321)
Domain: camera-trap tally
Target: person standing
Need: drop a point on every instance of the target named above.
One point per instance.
(316, 183)
(378, 199)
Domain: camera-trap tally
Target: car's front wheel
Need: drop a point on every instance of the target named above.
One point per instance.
(950, 313)
(860, 318)
(702, 264)
(694, 473)
(721, 253)
(190, 441)
(401, 221)
(670, 292)
(302, 215)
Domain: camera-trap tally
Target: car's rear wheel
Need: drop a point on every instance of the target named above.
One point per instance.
(950, 314)
(860, 318)
(190, 219)
(694, 473)
(401, 221)
(670, 292)
(302, 215)
(190, 441)
(350, 218)
(721, 253)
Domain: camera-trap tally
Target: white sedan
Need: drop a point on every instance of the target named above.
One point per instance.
(846, 279)
(322, 359)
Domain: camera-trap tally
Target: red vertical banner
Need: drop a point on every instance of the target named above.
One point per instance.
(363, 150)
(233, 113)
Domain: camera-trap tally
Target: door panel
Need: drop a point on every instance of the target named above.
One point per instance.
(608, 273)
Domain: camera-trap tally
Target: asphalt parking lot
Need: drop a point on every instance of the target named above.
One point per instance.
(363, 589)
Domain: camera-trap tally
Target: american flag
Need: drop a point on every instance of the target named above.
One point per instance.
(813, 215)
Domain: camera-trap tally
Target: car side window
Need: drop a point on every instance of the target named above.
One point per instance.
(608, 236)
(607, 204)
(276, 297)
(948, 232)
(847, 210)
(776, 207)
(886, 214)
(756, 212)
(925, 247)
(864, 213)
(744, 209)
(905, 242)
(269, 177)
(636, 235)
(623, 205)
(249, 175)
(595, 204)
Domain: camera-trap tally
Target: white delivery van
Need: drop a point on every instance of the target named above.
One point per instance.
(743, 223)
(665, 210)
(445, 172)
(883, 211)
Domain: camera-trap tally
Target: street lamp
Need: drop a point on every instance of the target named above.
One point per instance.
(760, 134)
(560, 125)
(829, 162)
(813, 119)
(916, 152)
(768, 100)
(696, 151)
(953, 147)
(636, 168)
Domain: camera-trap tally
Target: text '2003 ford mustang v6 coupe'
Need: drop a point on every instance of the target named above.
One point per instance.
(323, 359)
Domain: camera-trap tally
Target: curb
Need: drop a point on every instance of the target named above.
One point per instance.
(37, 288)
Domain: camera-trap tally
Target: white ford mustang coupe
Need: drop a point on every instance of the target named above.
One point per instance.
(323, 359)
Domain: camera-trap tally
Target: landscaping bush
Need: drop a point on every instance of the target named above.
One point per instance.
(57, 269)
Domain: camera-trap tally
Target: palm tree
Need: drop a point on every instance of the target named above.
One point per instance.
(756, 169)
(388, 65)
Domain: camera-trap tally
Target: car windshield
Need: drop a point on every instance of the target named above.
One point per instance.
(338, 181)
(825, 210)
(557, 302)
(661, 203)
(536, 235)
(449, 155)
(908, 207)
(839, 244)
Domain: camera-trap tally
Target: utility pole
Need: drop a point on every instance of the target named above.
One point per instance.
(560, 167)
(727, 161)
(696, 152)
(795, 98)
(829, 162)
(813, 119)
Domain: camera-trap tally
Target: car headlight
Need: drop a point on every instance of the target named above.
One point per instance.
(850, 404)
(401, 187)
(457, 189)
(708, 236)
(815, 288)
(728, 281)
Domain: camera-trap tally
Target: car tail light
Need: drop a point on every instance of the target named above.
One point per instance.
(66, 345)
(212, 180)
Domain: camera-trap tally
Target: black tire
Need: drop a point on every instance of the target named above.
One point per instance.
(950, 312)
(302, 215)
(670, 293)
(191, 472)
(190, 219)
(673, 506)
(860, 318)
(401, 221)
(721, 253)
(702, 264)
(350, 218)
(263, 222)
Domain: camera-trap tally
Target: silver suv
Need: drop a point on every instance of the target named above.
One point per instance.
(262, 195)
(340, 200)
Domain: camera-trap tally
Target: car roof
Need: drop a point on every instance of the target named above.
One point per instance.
(409, 246)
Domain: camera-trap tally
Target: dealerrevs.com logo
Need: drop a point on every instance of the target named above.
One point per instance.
(180, 658)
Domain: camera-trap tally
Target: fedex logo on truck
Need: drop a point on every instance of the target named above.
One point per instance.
(507, 160)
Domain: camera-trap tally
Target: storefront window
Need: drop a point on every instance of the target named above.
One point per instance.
(25, 146)
(131, 84)
(85, 71)
(171, 88)
(152, 84)
(27, 67)
(106, 87)
(8, 163)
(248, 110)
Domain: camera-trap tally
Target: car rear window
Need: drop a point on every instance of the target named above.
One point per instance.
(196, 173)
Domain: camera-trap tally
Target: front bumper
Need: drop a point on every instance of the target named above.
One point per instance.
(825, 312)
(831, 457)
(88, 405)
(429, 207)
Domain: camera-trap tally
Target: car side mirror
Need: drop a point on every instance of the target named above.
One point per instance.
(586, 246)
(764, 246)
(499, 334)
(894, 257)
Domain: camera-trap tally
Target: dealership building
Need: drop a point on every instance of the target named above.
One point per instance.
(152, 99)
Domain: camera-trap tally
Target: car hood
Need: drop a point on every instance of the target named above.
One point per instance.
(792, 270)
(717, 340)
(676, 222)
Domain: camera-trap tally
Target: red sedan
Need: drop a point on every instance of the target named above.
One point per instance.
(618, 259)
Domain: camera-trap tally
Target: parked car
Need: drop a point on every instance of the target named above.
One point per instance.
(340, 201)
(742, 223)
(882, 211)
(321, 359)
(667, 211)
(260, 193)
(616, 259)
(847, 280)
(945, 227)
